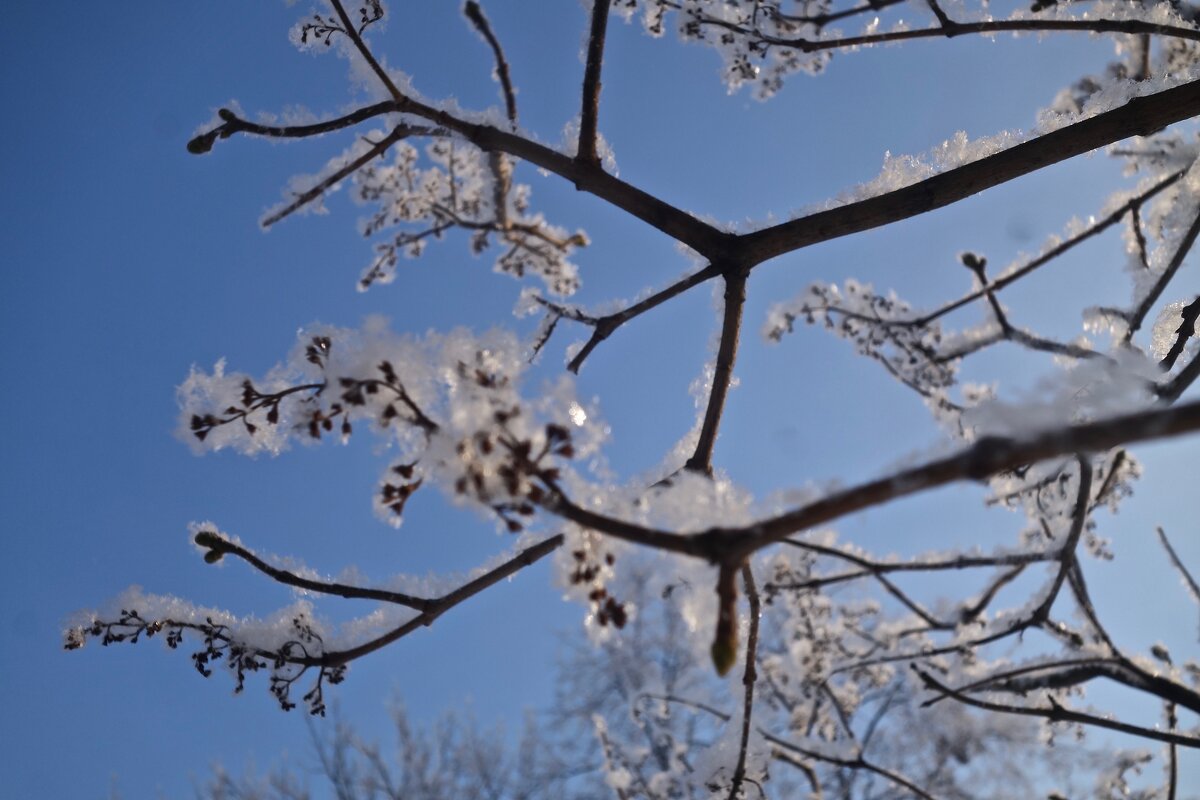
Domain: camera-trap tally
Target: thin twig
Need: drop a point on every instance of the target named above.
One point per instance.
(986, 28)
(304, 198)
(749, 676)
(232, 123)
(352, 31)
(1172, 754)
(1193, 587)
(1057, 713)
(1181, 251)
(603, 327)
(222, 546)
(731, 326)
(858, 762)
(475, 14)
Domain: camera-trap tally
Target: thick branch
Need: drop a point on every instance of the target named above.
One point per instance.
(700, 236)
(1139, 117)
(986, 457)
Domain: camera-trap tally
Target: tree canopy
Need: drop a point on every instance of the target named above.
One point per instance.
(824, 651)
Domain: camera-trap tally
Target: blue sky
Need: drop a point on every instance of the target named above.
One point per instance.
(126, 260)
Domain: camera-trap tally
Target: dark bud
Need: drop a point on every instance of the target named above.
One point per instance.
(208, 539)
(199, 145)
(973, 262)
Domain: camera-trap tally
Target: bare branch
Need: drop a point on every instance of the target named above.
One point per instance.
(219, 546)
(950, 29)
(444, 603)
(1057, 713)
(986, 457)
(1181, 251)
(1172, 754)
(232, 123)
(857, 762)
(355, 35)
(1186, 330)
(1129, 207)
(475, 14)
(1139, 117)
(731, 326)
(604, 326)
(749, 676)
(304, 198)
(1193, 587)
(586, 151)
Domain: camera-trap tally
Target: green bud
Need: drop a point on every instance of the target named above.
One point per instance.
(724, 656)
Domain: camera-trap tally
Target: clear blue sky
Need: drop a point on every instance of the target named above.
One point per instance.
(126, 260)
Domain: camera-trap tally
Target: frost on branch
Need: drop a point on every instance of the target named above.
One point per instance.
(287, 646)
(466, 190)
(448, 403)
(320, 29)
(882, 327)
(740, 31)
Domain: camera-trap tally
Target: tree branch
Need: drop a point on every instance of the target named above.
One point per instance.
(1193, 587)
(304, 198)
(1140, 116)
(996, 285)
(986, 457)
(355, 36)
(442, 604)
(731, 326)
(604, 326)
(1186, 330)
(475, 14)
(219, 546)
(586, 150)
(1057, 713)
(1181, 251)
(950, 29)
(232, 123)
(749, 676)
